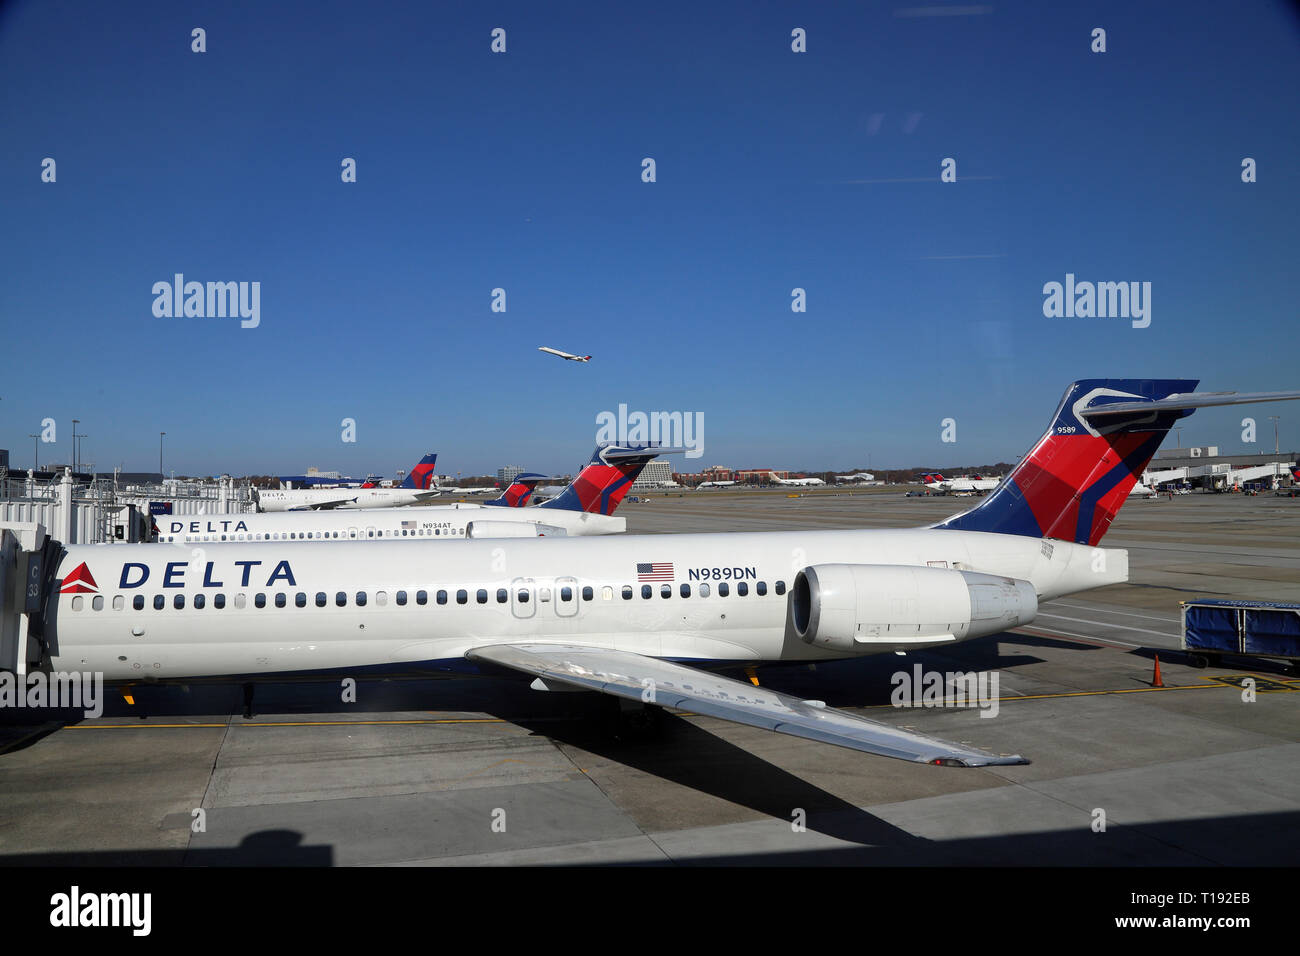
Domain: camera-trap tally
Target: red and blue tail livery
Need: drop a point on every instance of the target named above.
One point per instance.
(1074, 481)
(421, 476)
(519, 492)
(607, 477)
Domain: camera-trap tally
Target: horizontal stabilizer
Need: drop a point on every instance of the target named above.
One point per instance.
(1188, 400)
(650, 680)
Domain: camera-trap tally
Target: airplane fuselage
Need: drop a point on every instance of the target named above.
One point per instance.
(294, 607)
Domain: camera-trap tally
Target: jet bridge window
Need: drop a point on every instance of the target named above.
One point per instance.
(200, 601)
(321, 598)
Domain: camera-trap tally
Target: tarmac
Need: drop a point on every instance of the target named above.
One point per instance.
(488, 772)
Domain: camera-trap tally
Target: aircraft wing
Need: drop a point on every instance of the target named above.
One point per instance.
(1188, 400)
(640, 678)
(324, 505)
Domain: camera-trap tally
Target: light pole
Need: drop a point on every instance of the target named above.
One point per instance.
(1178, 433)
(1275, 420)
(75, 423)
(36, 446)
(160, 438)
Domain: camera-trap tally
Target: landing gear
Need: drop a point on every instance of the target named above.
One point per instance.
(1200, 661)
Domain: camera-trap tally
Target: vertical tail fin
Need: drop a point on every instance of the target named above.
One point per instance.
(421, 476)
(520, 490)
(607, 477)
(1074, 481)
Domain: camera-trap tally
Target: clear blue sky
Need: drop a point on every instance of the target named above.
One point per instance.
(522, 170)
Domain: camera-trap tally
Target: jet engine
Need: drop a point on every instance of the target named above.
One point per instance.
(857, 608)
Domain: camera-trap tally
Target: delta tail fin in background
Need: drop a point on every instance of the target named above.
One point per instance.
(520, 491)
(607, 477)
(421, 476)
(1105, 432)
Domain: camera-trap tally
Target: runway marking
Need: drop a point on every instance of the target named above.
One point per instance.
(1091, 638)
(293, 723)
(1122, 627)
(1148, 617)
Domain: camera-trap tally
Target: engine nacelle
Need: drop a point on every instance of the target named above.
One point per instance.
(486, 528)
(860, 608)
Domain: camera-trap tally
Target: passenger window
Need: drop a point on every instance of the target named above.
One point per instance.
(502, 595)
(361, 599)
(607, 593)
(199, 601)
(685, 589)
(481, 595)
(665, 590)
(724, 589)
(137, 602)
(219, 601)
(627, 592)
(523, 596)
(421, 597)
(259, 600)
(281, 599)
(647, 591)
(178, 602)
(97, 602)
(321, 598)
(566, 594)
(159, 602)
(462, 596)
(704, 590)
(300, 600)
(381, 598)
(401, 599)
(441, 597)
(588, 594)
(761, 588)
(543, 594)
(780, 587)
(341, 599)
(119, 602)
(77, 602)
(742, 588)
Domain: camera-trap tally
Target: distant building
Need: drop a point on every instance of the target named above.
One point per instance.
(655, 473)
(508, 474)
(4, 457)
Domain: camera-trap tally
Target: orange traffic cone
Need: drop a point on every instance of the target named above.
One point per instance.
(1155, 678)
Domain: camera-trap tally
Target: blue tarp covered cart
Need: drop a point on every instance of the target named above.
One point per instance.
(1212, 628)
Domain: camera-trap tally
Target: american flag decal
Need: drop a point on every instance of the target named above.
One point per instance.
(656, 571)
(408, 525)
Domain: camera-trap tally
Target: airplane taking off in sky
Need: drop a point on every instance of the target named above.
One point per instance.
(415, 487)
(624, 615)
(565, 355)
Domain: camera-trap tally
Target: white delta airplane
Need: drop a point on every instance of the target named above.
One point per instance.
(415, 487)
(565, 355)
(965, 485)
(801, 482)
(638, 617)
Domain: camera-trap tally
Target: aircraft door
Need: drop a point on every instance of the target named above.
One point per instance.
(523, 597)
(566, 597)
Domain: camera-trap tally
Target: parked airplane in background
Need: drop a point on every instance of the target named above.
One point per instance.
(415, 487)
(860, 476)
(1143, 491)
(973, 484)
(565, 355)
(802, 482)
(714, 484)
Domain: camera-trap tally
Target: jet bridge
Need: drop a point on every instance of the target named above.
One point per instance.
(29, 559)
